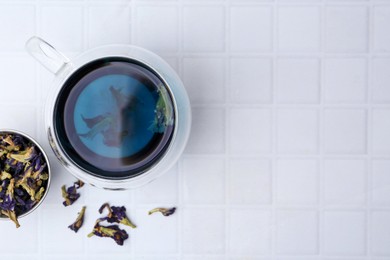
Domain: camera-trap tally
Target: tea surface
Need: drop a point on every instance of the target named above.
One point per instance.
(118, 117)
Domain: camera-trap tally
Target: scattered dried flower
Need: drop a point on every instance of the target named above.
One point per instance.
(70, 194)
(116, 215)
(79, 221)
(113, 231)
(165, 211)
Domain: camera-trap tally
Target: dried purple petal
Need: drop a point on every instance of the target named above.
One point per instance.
(165, 211)
(113, 231)
(79, 221)
(116, 215)
(70, 195)
(23, 175)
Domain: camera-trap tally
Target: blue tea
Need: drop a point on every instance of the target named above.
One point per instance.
(115, 117)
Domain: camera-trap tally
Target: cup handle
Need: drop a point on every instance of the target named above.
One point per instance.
(46, 54)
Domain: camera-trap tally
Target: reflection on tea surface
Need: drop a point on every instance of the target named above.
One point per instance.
(118, 117)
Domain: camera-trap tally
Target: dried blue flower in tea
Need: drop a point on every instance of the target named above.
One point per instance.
(165, 211)
(79, 221)
(23, 176)
(116, 215)
(70, 194)
(113, 231)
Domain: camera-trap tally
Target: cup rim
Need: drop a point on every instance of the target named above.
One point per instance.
(13, 131)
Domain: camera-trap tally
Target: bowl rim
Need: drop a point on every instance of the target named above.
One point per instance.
(13, 131)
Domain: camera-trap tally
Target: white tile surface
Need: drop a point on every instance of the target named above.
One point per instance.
(346, 28)
(250, 80)
(249, 181)
(297, 181)
(250, 130)
(203, 28)
(250, 232)
(297, 232)
(288, 157)
(344, 233)
(345, 131)
(203, 231)
(298, 28)
(297, 131)
(344, 182)
(298, 80)
(250, 28)
(345, 80)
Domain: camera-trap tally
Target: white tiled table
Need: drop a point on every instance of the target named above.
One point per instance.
(289, 156)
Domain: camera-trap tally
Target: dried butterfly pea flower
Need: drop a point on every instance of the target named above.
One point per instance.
(113, 231)
(23, 175)
(165, 211)
(116, 215)
(79, 221)
(70, 194)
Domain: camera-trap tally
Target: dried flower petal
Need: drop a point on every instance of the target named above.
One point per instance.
(79, 221)
(70, 195)
(79, 184)
(23, 175)
(165, 211)
(113, 231)
(116, 215)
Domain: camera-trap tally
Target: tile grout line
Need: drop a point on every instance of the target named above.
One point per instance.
(321, 132)
(274, 126)
(369, 123)
(227, 90)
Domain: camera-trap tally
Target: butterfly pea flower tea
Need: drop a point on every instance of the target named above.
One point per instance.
(117, 116)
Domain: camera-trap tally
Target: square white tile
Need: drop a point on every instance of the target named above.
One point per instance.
(249, 181)
(297, 131)
(108, 24)
(204, 79)
(250, 130)
(250, 80)
(381, 38)
(209, 239)
(380, 127)
(345, 131)
(250, 232)
(345, 80)
(297, 181)
(298, 28)
(208, 131)
(380, 79)
(64, 33)
(20, 24)
(344, 182)
(380, 233)
(250, 28)
(297, 232)
(346, 28)
(344, 233)
(12, 85)
(297, 80)
(203, 180)
(204, 28)
(380, 183)
(156, 27)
